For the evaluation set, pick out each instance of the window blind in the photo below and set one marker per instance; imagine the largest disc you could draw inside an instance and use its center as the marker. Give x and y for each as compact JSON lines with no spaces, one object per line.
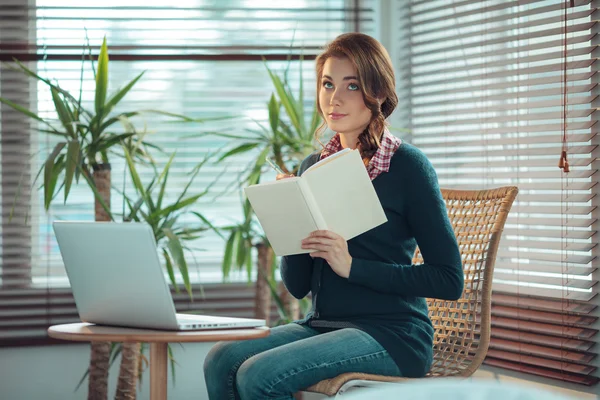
{"x":201,"y":58}
{"x":493,"y":87}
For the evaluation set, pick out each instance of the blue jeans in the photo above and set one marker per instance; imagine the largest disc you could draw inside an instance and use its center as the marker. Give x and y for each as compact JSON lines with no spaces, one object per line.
{"x":292,"y":358}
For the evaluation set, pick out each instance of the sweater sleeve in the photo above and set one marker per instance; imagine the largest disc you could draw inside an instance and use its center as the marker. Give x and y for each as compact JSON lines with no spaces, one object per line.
{"x":296,"y":270}
{"x":296,"y":273}
{"x":441,"y":274}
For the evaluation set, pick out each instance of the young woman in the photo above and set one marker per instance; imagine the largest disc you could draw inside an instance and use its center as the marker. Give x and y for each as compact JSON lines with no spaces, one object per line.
{"x":368,"y":301}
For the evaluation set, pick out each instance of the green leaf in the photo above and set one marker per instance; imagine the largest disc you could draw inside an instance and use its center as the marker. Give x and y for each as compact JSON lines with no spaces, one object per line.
{"x":314,"y":123}
{"x":274,"y":114}
{"x":301,"y":95}
{"x":54,"y":132}
{"x":49,"y":172}
{"x":17,"y":193}
{"x":249,"y":262}
{"x":237,"y":150}
{"x":280,"y":306}
{"x":32,"y":74}
{"x":77,"y":170}
{"x":255,"y":174}
{"x":134,"y":174}
{"x":289,"y":104}
{"x":274,"y":263}
{"x":170,"y":270}
{"x":71,"y":167}
{"x":104,"y":155}
{"x":185,"y":189}
{"x":115,"y":351}
{"x":172,"y":362}
{"x":259,"y":135}
{"x":164,"y":176}
{"x":81,"y":70}
{"x":213,"y":133}
{"x":185,"y":118}
{"x":207,"y":222}
{"x":132,"y":211}
{"x":30,"y":114}
{"x":107,"y":143}
{"x":101,"y":79}
{"x":286,"y":133}
{"x":116,"y":118}
{"x":21,"y":109}
{"x":120,"y":94}
{"x":241,"y":251}
{"x":153,"y":146}
{"x":190,"y":233}
{"x":227,"y":259}
{"x":247,"y":209}
{"x":59,"y":166}
{"x":150,"y":202}
{"x":179,"y":205}
{"x":63,"y":114}
{"x":177,"y":252}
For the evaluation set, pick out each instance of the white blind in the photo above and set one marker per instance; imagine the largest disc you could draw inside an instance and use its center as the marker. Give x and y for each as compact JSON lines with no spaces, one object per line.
{"x":201,"y":58}
{"x":487,"y":89}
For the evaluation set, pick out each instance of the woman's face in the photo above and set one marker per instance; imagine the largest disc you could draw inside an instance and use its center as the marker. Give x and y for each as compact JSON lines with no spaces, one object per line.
{"x":341,"y":99}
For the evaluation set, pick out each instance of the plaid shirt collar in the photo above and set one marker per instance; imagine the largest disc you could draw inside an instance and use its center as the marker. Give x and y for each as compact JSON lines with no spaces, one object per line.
{"x":380,"y":162}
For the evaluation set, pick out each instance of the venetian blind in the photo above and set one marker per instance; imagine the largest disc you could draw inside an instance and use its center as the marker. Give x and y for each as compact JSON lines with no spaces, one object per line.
{"x":493,"y":87}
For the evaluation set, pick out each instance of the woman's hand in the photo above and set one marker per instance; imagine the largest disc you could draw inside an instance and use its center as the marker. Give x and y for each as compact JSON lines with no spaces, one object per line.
{"x":283,"y":176}
{"x":332,"y":248}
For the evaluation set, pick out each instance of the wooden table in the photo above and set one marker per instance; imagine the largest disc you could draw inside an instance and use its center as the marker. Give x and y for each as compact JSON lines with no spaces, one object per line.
{"x":158,"y":340}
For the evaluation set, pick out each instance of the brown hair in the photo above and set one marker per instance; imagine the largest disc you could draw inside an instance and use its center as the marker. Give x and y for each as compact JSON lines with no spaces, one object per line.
{"x":376,"y":80}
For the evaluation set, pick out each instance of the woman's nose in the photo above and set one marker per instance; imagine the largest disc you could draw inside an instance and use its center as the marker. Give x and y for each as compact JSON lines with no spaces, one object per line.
{"x":335,"y":98}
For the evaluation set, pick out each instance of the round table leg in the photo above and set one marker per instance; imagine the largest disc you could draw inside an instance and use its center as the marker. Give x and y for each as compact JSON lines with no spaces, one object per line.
{"x":158,"y":371}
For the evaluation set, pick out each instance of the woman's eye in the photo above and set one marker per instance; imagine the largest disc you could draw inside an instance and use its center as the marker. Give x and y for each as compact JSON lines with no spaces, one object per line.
{"x":327,"y":85}
{"x":353,"y":86}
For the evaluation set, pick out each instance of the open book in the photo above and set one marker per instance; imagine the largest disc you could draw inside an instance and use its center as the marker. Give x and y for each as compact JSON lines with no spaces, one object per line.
{"x":335,"y":193}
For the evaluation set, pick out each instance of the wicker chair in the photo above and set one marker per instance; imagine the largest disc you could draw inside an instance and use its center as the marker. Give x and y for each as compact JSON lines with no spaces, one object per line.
{"x":462,"y":327}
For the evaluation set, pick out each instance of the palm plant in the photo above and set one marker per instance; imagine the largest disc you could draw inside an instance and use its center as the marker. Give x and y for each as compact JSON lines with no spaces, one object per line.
{"x":171,"y":234}
{"x":86,"y":138}
{"x":287,"y":140}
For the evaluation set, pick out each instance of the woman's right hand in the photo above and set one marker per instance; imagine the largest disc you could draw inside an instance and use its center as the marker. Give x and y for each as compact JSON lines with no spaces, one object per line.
{"x":283,"y":176}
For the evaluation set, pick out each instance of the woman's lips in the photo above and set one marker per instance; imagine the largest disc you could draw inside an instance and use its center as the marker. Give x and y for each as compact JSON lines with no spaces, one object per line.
{"x":336,"y":116}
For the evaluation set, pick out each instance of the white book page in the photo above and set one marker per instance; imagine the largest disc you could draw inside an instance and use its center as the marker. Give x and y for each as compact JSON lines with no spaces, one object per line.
{"x":283,"y":213}
{"x":327,"y":160}
{"x":345,"y":195}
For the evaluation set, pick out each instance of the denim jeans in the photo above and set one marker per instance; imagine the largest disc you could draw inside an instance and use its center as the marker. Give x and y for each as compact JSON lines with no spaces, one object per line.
{"x":292,"y":358}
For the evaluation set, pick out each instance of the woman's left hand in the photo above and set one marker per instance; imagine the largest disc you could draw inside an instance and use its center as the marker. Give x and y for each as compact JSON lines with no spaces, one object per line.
{"x":332,"y":248}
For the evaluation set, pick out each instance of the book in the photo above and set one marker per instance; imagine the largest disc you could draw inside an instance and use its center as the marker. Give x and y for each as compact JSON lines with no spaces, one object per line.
{"x":335,"y":194}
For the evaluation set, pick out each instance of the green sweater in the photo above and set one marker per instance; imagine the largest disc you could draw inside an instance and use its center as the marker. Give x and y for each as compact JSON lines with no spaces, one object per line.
{"x":385,"y":294}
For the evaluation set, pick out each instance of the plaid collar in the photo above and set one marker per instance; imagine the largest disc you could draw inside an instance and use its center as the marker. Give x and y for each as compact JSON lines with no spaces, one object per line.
{"x":332,"y":147}
{"x":380,"y":162}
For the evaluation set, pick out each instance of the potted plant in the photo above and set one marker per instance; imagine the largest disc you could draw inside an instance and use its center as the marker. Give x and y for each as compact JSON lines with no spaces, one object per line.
{"x":287,"y":140}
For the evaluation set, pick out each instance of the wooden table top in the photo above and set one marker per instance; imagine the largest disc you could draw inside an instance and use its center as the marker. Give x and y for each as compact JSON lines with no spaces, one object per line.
{"x":86,"y":332}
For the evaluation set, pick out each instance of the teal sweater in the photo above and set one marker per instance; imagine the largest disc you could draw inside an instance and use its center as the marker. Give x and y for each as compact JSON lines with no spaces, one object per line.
{"x":385,"y":294}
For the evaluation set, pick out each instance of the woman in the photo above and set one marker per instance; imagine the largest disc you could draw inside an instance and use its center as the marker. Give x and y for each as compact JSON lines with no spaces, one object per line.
{"x":368,"y":302}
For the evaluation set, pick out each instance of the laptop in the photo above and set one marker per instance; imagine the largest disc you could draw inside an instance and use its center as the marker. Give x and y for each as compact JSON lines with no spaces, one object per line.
{"x":117,"y":278}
